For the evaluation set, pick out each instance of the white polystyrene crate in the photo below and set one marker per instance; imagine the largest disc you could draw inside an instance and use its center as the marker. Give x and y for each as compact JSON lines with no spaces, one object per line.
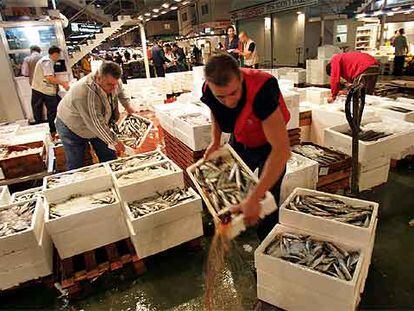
{"x":304,"y":176}
{"x":374,"y":164}
{"x":161,"y":238}
{"x":280,"y":270}
{"x":140,"y":189}
{"x":125,"y":159}
{"x":327,"y":51}
{"x":383,"y":111}
{"x":405,"y":100}
{"x":348,"y":233}
{"x":9,"y":129}
{"x":316,"y":71}
{"x":373,"y":178}
{"x":317,"y":95}
{"x":101,"y":181}
{"x":164,"y":216}
{"x":392,"y":146}
{"x":197,"y":137}
{"x":5,"y":197}
{"x":35,"y":191}
{"x":86,"y":230}
{"x":294,"y":118}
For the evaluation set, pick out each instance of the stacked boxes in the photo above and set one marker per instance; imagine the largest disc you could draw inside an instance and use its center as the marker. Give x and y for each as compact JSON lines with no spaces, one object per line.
{"x":316,"y":71}
{"x":5,"y":197}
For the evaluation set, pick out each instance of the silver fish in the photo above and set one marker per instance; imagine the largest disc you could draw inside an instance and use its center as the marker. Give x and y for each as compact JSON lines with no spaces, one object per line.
{"x":138,"y":160}
{"x":131,"y":130}
{"x":323,"y":156}
{"x":16,"y":218}
{"x":144,"y":173}
{"x":74,"y":176}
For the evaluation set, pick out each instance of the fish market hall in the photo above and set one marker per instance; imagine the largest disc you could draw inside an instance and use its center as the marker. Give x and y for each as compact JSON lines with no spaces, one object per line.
{"x":207,"y":155}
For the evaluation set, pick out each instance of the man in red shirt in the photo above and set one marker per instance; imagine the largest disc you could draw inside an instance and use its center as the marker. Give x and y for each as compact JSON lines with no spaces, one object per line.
{"x":248,"y":104}
{"x":352,"y":67}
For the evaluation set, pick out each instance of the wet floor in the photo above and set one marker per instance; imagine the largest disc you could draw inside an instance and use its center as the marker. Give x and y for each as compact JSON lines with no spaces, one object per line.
{"x":175,"y":279}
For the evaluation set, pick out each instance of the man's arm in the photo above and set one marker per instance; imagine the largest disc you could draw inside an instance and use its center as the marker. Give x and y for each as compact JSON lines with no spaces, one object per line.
{"x":275,"y":130}
{"x":49,"y":74}
{"x":335,"y":79}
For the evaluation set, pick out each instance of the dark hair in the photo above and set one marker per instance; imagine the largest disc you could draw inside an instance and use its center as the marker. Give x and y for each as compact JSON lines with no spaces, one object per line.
{"x":174,"y":45}
{"x":110,"y":68}
{"x":401,"y":31}
{"x":328,"y":69}
{"x":35,"y":48}
{"x":54,"y":49}
{"x":221,"y":69}
{"x":230,"y":27}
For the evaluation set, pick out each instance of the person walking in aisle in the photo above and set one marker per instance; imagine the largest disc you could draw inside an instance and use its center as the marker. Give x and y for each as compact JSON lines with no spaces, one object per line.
{"x":248,"y":52}
{"x":352,"y":67}
{"x":158,"y":58}
{"x":45,"y":86}
{"x":88,"y":113}
{"x":29,"y":63}
{"x":180,"y":56}
{"x":401,"y":51}
{"x":248,"y":104}
{"x":231,"y":43}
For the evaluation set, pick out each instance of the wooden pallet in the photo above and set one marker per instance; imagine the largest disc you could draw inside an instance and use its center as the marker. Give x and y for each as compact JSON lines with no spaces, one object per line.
{"x":341,"y":185}
{"x":24,"y":165}
{"x":72,"y":272}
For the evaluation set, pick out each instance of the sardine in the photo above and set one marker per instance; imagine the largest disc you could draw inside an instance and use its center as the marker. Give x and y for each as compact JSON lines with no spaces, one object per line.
{"x":16,"y":218}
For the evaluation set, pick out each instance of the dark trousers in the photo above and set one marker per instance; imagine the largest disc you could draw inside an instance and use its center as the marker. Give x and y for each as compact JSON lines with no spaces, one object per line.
{"x":256,"y":158}
{"x":159,"y":70}
{"x":51,"y":102}
{"x":399,"y":65}
{"x":75,"y":146}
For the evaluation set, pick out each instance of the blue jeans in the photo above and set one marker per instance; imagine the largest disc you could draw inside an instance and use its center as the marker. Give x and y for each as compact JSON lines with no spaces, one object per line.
{"x":75,"y":146}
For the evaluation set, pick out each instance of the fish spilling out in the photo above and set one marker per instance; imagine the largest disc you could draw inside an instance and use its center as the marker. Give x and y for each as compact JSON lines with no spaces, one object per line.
{"x":79,"y":203}
{"x":73,"y":177}
{"x":224,"y":181}
{"x":369,"y":135}
{"x":333,"y":209}
{"x":16,"y":218}
{"x":138,"y":160}
{"x":399,"y":109}
{"x":145,"y":173}
{"x":321,"y":256}
{"x":28,"y":195}
{"x":196,"y":119}
{"x":131,"y":130}
{"x":324,"y":157}
{"x":159,"y":202}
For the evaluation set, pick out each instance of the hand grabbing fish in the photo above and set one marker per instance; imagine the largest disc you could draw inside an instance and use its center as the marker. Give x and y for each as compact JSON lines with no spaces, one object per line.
{"x":250,"y":208}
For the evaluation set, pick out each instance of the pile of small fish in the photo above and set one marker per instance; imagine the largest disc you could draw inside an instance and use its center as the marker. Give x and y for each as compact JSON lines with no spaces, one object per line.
{"x":145,"y":173}
{"x":3,"y":152}
{"x":323,"y":156}
{"x":224,"y":181}
{"x":333,"y":209}
{"x":195,"y":119}
{"x":131,"y":130}
{"x":138,"y":160}
{"x":399,"y":109}
{"x":72,"y":177}
{"x":21,"y":153}
{"x":369,"y":135}
{"x":16,"y":218}
{"x":28,"y":195}
{"x":160,"y":202}
{"x":78,"y":203}
{"x":321,"y":256}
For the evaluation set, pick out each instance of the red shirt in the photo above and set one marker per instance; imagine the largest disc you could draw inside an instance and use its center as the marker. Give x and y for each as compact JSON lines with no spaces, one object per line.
{"x":348,"y":66}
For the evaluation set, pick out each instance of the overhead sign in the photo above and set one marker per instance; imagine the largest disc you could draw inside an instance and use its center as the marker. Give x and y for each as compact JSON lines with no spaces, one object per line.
{"x":271,"y":7}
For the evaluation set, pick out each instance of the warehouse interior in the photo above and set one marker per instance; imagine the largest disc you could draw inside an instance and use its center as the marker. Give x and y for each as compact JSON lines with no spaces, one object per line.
{"x":206,"y":155}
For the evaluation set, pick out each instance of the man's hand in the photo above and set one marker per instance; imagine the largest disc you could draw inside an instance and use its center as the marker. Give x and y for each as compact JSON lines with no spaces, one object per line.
{"x":250,"y":208}
{"x":120,"y":148}
{"x":130,"y":110}
{"x":210,"y":149}
{"x":65,"y":85}
{"x":331,"y":99}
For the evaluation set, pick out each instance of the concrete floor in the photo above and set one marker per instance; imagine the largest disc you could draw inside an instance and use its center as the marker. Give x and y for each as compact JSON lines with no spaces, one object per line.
{"x":175,"y":280}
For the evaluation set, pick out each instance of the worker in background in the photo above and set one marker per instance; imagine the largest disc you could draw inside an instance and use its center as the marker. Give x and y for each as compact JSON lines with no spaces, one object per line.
{"x":401,"y":51}
{"x":86,"y":65}
{"x":196,"y":56}
{"x":158,"y":58}
{"x":180,"y":57}
{"x":231,"y":43}
{"x":45,"y":86}
{"x":88,"y":113}
{"x":171,"y":65}
{"x":352,"y":67}
{"x":248,"y":104}
{"x":392,"y":40}
{"x":29,"y":63}
{"x":248,"y":51}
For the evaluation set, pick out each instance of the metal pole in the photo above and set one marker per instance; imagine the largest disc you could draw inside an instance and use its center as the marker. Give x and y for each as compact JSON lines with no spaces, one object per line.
{"x":144,"y":50}
{"x":383,"y":19}
{"x":355,"y":145}
{"x":54,"y":4}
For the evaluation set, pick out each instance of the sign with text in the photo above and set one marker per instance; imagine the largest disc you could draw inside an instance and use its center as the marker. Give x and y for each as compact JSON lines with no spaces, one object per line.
{"x":272,"y":7}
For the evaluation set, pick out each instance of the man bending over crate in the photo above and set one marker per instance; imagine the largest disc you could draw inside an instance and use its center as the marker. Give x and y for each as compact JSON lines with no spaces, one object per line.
{"x":248,"y":104}
{"x":87,"y":113}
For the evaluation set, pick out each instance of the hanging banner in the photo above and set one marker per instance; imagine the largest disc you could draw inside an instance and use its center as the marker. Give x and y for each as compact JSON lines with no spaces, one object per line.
{"x":269,"y":8}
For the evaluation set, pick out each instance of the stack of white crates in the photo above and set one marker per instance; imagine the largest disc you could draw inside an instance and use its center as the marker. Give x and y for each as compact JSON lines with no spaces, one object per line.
{"x":396,"y":110}
{"x":26,"y":255}
{"x":296,"y":75}
{"x":166,"y":228}
{"x":316,"y":68}
{"x":294,"y":287}
{"x":374,"y":157}
{"x":198,"y":80}
{"x":292,"y":102}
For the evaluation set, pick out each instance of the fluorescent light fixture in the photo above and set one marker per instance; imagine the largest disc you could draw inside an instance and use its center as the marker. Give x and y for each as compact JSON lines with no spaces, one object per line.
{"x":173,"y":8}
{"x":155,"y":10}
{"x":166,"y":5}
{"x":177,"y":0}
{"x":163,"y":12}
{"x":267,"y":22}
{"x":147,"y":19}
{"x":299,"y":12}
{"x":140,"y":17}
{"x":147,"y":14}
{"x":154,"y":16}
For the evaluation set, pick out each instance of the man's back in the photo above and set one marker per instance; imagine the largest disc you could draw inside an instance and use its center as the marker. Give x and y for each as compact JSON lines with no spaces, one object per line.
{"x":157,"y":55}
{"x":29,"y":65}
{"x":400,"y":44}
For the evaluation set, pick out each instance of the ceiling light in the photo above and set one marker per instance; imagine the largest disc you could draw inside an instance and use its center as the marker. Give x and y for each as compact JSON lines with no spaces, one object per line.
{"x":155,"y":10}
{"x":177,"y":0}
{"x":147,"y":14}
{"x":154,"y":16}
{"x":298,"y":12}
{"x":166,"y":5}
{"x":185,"y":2}
{"x":147,"y":19}
{"x":140,"y":17}
{"x":163,"y":12}
{"x":173,"y":8}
